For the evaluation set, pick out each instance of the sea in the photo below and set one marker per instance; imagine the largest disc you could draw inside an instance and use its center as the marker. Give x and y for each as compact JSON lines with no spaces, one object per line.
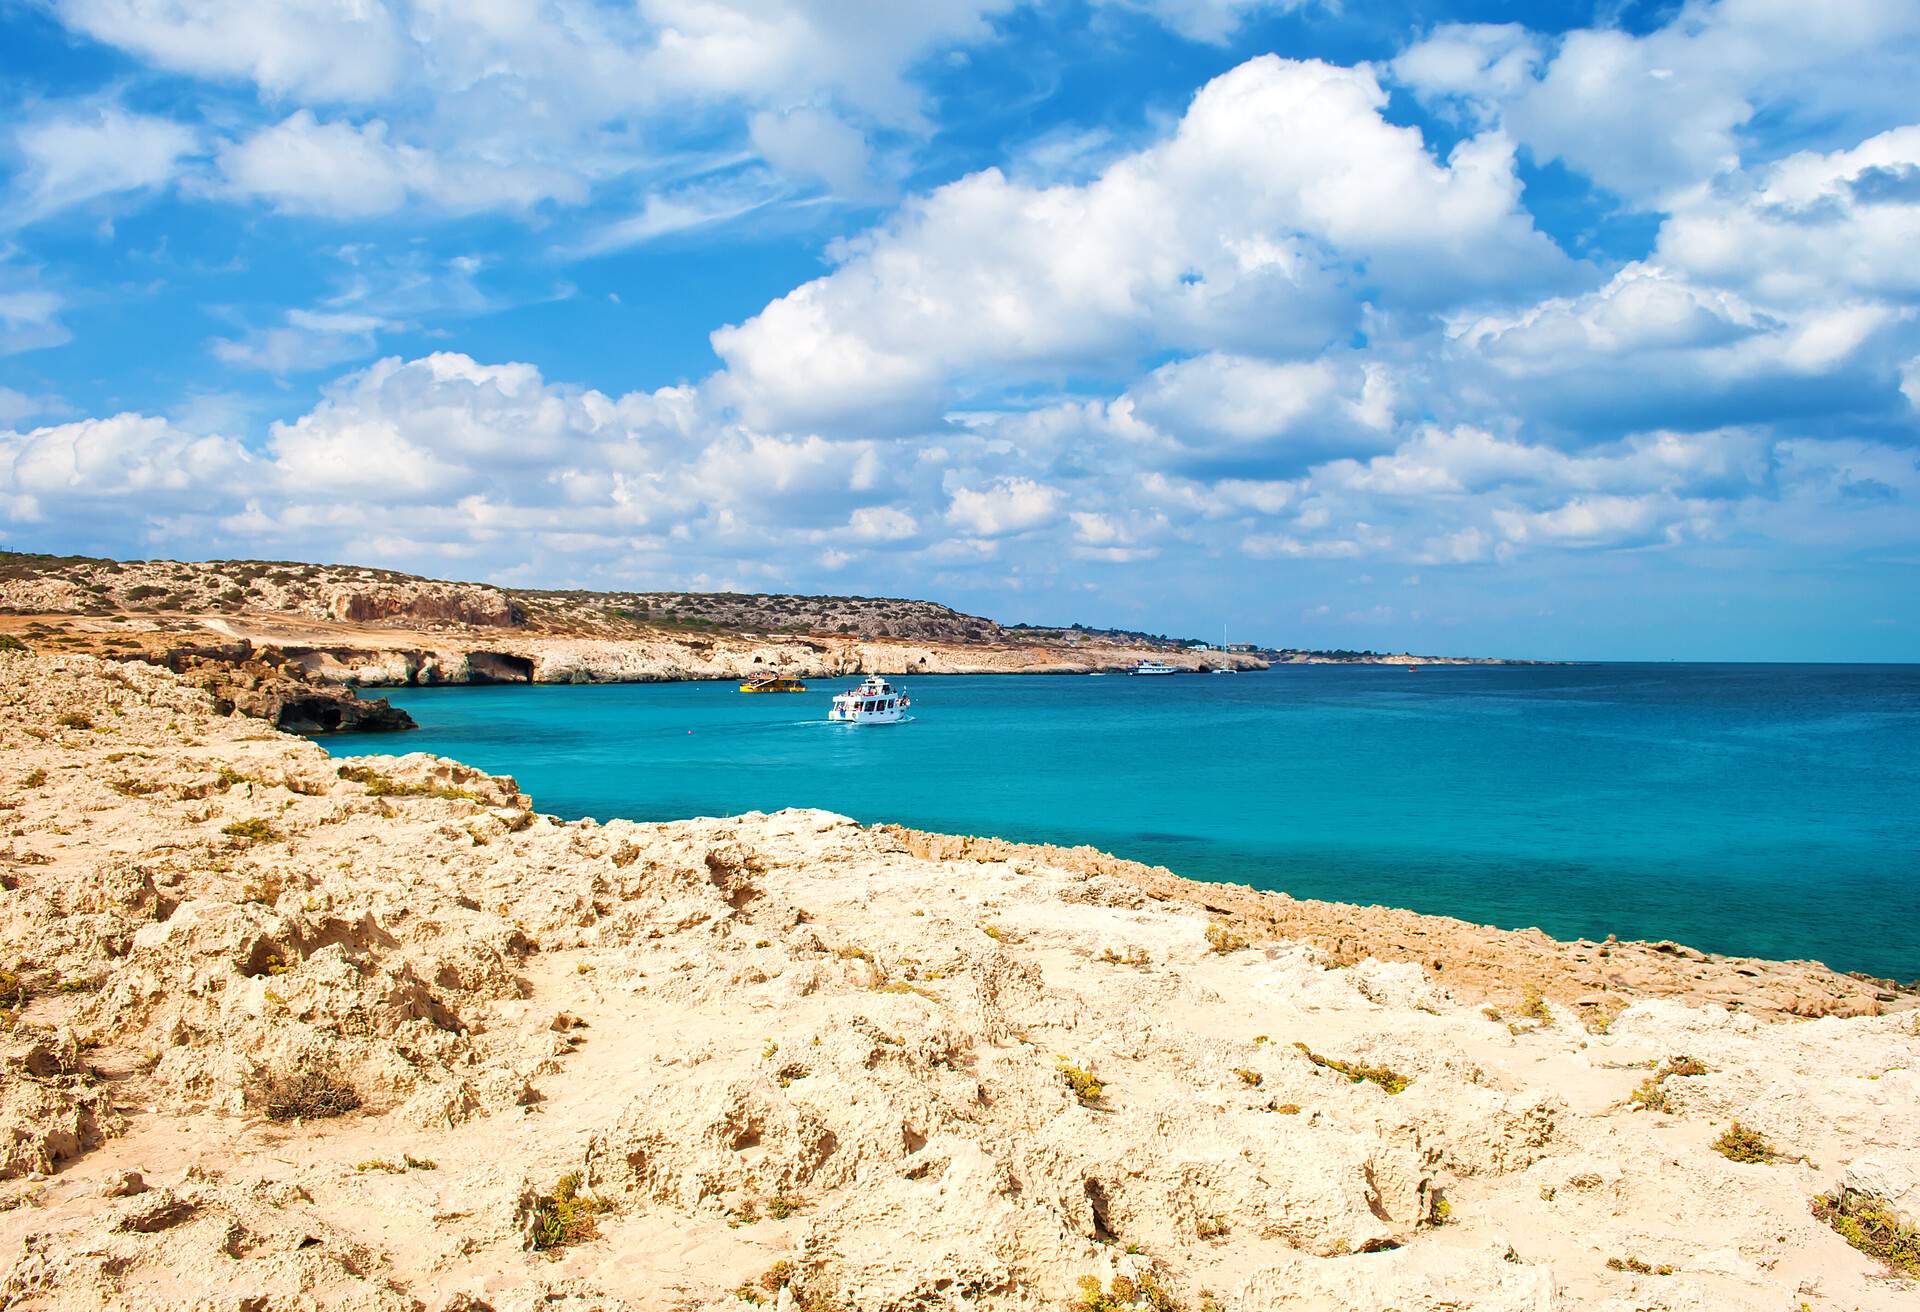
{"x":1764,"y":810}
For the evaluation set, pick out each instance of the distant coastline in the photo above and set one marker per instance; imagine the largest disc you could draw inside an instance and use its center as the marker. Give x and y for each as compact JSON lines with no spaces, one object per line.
{"x":289,"y":633}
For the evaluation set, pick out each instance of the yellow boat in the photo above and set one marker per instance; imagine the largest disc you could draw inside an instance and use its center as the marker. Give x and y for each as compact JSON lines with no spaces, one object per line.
{"x":772,"y":683}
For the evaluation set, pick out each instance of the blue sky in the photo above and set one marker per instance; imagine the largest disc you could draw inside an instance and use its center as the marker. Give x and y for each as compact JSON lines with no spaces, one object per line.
{"x":1551,"y":330}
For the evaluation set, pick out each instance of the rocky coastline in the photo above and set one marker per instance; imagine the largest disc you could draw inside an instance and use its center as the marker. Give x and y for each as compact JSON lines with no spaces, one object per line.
{"x":302,"y":637}
{"x":286,"y":1029}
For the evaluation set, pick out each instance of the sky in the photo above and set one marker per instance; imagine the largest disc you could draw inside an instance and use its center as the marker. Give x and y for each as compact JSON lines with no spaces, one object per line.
{"x":1548,"y":329}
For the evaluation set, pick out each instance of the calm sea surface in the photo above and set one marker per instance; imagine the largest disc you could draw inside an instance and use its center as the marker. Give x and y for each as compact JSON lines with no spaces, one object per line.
{"x":1771,"y":810}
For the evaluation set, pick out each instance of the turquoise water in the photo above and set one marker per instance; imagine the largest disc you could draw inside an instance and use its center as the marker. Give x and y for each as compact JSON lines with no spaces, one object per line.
{"x":1770,"y":810}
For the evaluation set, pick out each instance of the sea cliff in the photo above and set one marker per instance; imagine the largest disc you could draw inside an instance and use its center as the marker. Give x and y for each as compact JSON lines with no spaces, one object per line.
{"x":286,"y":1029}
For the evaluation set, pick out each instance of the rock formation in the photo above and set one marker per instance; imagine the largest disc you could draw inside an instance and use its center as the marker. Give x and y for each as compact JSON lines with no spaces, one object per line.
{"x":286,"y":1030}
{"x":264,"y":684}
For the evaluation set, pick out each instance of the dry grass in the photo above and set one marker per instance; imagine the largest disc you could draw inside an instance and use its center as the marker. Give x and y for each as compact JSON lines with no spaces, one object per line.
{"x":380,"y":785}
{"x":310,"y":1094}
{"x":252,"y":830}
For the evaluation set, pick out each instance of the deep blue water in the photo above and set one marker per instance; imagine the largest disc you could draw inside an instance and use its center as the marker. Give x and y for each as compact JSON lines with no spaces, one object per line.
{"x":1762,"y":809}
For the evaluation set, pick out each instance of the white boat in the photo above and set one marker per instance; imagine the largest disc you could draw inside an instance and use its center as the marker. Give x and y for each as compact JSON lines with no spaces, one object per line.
{"x":875,"y":701}
{"x":1152,"y":667}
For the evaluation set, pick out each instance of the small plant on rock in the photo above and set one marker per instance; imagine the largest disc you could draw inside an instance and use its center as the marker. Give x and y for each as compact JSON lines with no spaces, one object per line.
{"x":1865,"y":1222}
{"x":780,"y":1207}
{"x":1740,"y":1144}
{"x":1356,"y":1072}
{"x":1124,"y":1294}
{"x":264,"y":887}
{"x":1222,"y":939}
{"x":1085,"y":1085}
{"x":566,"y":1216}
{"x":1535,"y":1007}
{"x":1652,"y":1095}
{"x":10,"y":643}
{"x":1250,"y":1078}
{"x":1635,"y":1266}
{"x":252,"y":830}
{"x":13,"y":997}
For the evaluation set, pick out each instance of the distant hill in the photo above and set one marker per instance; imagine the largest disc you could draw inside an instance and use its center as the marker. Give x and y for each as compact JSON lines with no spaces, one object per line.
{"x":84,"y":585}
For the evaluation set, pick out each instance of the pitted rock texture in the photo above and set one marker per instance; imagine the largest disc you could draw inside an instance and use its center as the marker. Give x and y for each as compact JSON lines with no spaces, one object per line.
{"x":789,"y":1039}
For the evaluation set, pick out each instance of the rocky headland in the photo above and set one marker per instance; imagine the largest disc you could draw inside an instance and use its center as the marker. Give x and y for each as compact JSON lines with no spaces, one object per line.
{"x":290,"y":1030}
{"x":345,"y":627}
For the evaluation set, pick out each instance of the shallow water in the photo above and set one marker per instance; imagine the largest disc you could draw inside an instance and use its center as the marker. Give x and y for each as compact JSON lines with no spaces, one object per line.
{"x":1763,"y":809}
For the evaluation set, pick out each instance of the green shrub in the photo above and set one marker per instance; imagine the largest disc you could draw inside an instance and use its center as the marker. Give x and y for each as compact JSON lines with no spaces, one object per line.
{"x":1222,"y":939}
{"x":1652,"y":1094}
{"x":1124,"y":1294}
{"x":10,"y":643}
{"x":1740,"y":1144}
{"x":1863,"y":1222}
{"x":1535,"y":1006}
{"x":254,"y":830}
{"x":1083,"y":1083}
{"x":565,"y":1216}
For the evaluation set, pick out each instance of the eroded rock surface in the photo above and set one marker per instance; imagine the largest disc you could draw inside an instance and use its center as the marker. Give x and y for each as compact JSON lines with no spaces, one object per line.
{"x":305,"y":1031}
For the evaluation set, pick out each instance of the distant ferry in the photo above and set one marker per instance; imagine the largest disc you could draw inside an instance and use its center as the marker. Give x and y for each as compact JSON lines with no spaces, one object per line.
{"x":771,"y":682}
{"x":874,"y":702}
{"x":1152,"y":667}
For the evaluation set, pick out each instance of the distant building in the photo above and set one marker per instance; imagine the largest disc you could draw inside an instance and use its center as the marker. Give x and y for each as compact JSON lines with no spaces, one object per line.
{"x":1199,"y":646}
{"x":1241,"y":646}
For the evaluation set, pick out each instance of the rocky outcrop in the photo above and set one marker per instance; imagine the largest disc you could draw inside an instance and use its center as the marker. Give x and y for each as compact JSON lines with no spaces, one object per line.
{"x":285,"y":1029}
{"x":429,"y":603}
{"x":265,"y":684}
{"x":1598,"y":979}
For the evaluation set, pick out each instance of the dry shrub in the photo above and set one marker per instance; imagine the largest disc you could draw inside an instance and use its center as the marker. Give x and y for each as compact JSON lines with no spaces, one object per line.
{"x":310,"y":1093}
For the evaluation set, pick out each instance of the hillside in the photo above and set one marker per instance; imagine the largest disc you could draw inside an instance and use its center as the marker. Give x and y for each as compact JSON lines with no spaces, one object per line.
{"x":86,"y":586}
{"x":288,"y":1030}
